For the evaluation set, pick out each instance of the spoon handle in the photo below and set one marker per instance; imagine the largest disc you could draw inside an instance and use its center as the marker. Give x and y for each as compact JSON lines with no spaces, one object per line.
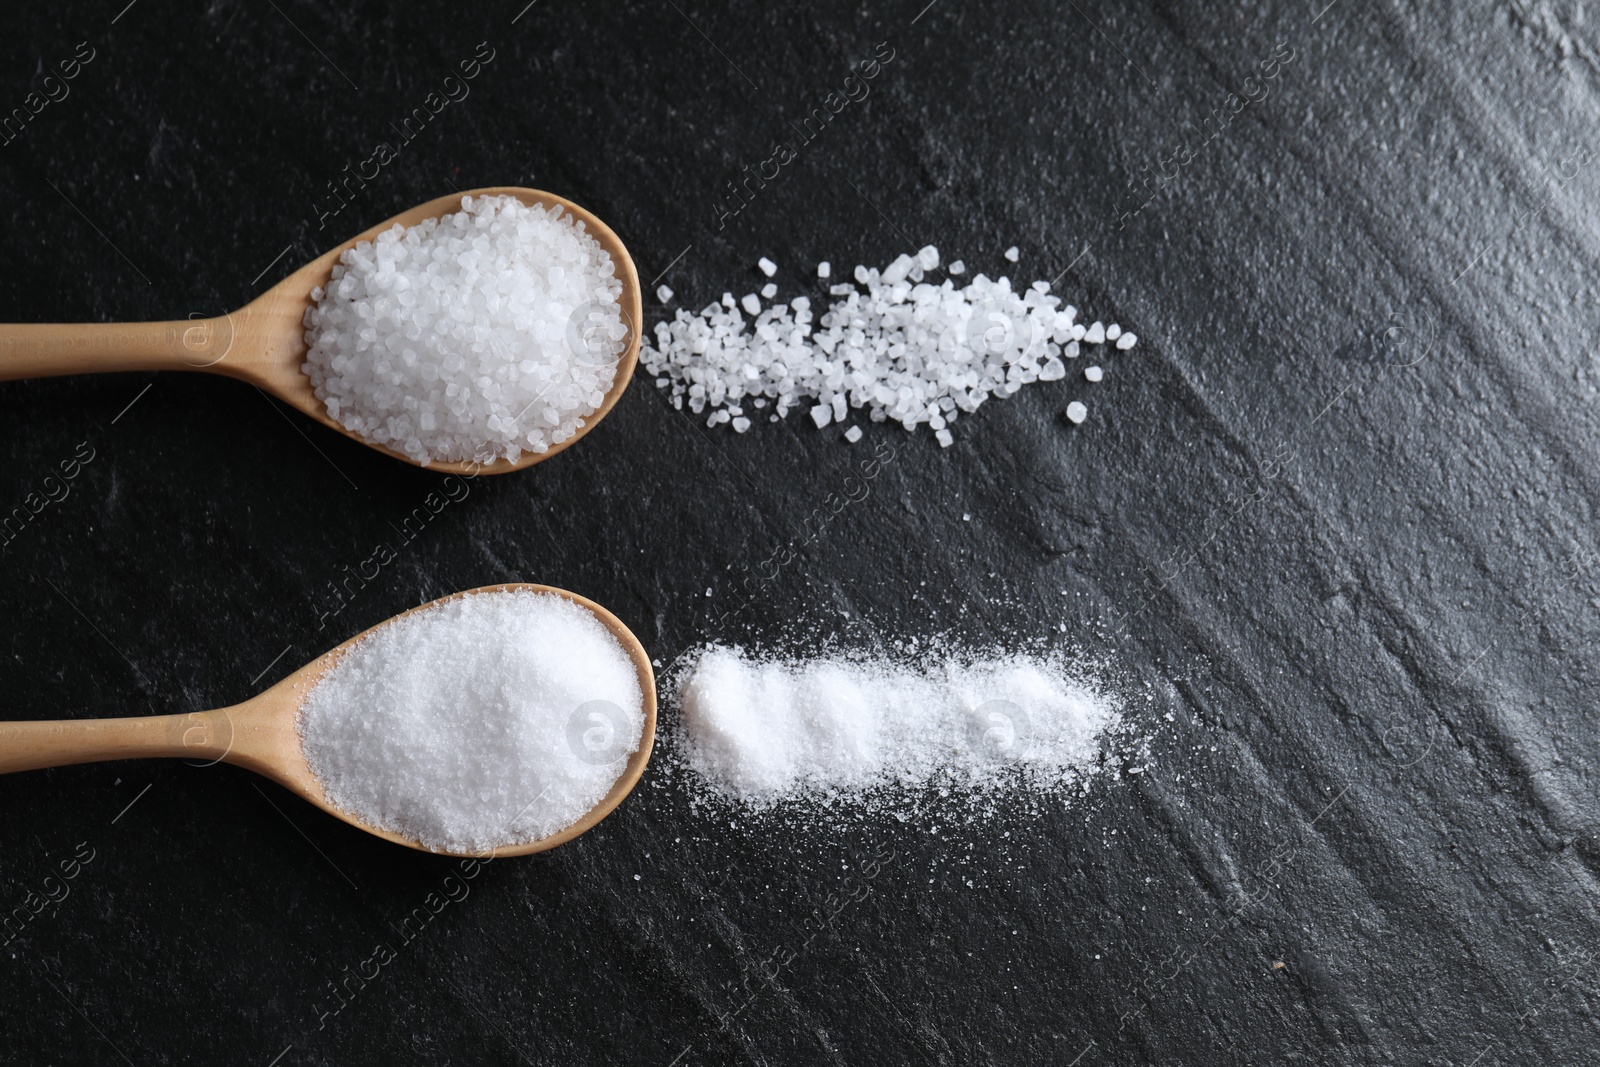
{"x":43,"y":350}
{"x":26,"y":746}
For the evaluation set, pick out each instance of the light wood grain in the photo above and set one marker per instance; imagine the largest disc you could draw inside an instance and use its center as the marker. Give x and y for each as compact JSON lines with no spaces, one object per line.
{"x":263,"y":343}
{"x":261,"y":735}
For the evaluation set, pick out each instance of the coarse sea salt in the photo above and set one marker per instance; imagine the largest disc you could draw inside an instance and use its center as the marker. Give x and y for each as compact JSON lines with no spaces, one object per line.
{"x":484,"y":721}
{"x":880,"y":732}
{"x":893,"y":342}
{"x":490,"y":332}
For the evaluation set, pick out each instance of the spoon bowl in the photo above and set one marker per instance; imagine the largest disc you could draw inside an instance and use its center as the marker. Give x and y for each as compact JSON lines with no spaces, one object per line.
{"x":262,"y":734}
{"x":263,"y":343}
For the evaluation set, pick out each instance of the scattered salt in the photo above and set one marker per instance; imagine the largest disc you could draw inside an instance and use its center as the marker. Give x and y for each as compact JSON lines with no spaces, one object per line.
{"x":907,"y":351}
{"x":664,"y":294}
{"x":853,"y":434}
{"x":484,"y":721}
{"x":759,"y":731}
{"x":1012,"y":255}
{"x":1113,"y":332}
{"x":1096,"y":334}
{"x":769,"y":291}
{"x":958,"y":267}
{"x":1076,"y":412}
{"x":1093,"y":374}
{"x":1127,"y":341}
{"x":483,"y":334}
{"x":751,"y":303}
{"x":768,"y":267}
{"x":824,"y":269}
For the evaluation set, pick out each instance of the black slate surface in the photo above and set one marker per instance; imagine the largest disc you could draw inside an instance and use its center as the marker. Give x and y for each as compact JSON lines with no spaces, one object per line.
{"x":1333,"y":517}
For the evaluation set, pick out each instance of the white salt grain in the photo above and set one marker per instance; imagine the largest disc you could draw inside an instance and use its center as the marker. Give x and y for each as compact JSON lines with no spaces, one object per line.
{"x":751,"y":303}
{"x":489,"y":720}
{"x":909,"y":352}
{"x":1127,"y":341}
{"x":486,"y":333}
{"x":1113,"y":332}
{"x":853,"y":434}
{"x":824,"y":269}
{"x":1076,"y":412}
{"x":769,"y":291}
{"x":768,"y":267}
{"x":758,"y":731}
{"x":1093,"y":374}
{"x":1096,"y":334}
{"x":958,"y":267}
{"x":664,"y":294}
{"x":1012,"y":255}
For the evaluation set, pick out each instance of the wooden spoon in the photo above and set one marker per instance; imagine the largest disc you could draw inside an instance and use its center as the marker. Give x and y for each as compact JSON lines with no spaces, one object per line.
{"x":261,"y":734}
{"x":263,"y":343}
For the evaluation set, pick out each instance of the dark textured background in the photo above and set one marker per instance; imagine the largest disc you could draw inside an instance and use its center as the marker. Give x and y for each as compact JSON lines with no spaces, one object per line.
{"x":1333,"y":516}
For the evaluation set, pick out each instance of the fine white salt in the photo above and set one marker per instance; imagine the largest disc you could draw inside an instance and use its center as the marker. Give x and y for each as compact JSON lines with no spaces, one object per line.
{"x":860,"y":730}
{"x":488,"y":720}
{"x":908,"y":351}
{"x":489,"y":332}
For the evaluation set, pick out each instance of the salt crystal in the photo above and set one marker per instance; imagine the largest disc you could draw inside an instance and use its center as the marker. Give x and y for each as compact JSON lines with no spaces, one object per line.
{"x":1076,"y":412}
{"x":751,"y":303}
{"x":741,"y":424}
{"x":853,"y":434}
{"x":824,"y":269}
{"x":1113,"y":332}
{"x":1127,"y":341}
{"x":911,"y":353}
{"x":1096,"y":334}
{"x":664,"y":294}
{"x":1012,"y":254}
{"x":487,"y":720}
{"x":768,"y":267}
{"x":1093,"y":374}
{"x":483,"y":334}
{"x":958,"y":267}
{"x":945,"y":438}
{"x":769,"y":290}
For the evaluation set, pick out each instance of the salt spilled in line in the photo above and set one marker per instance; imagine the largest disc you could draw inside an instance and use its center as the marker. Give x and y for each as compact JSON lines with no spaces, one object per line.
{"x":864,"y":734}
{"x":905,"y":349}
